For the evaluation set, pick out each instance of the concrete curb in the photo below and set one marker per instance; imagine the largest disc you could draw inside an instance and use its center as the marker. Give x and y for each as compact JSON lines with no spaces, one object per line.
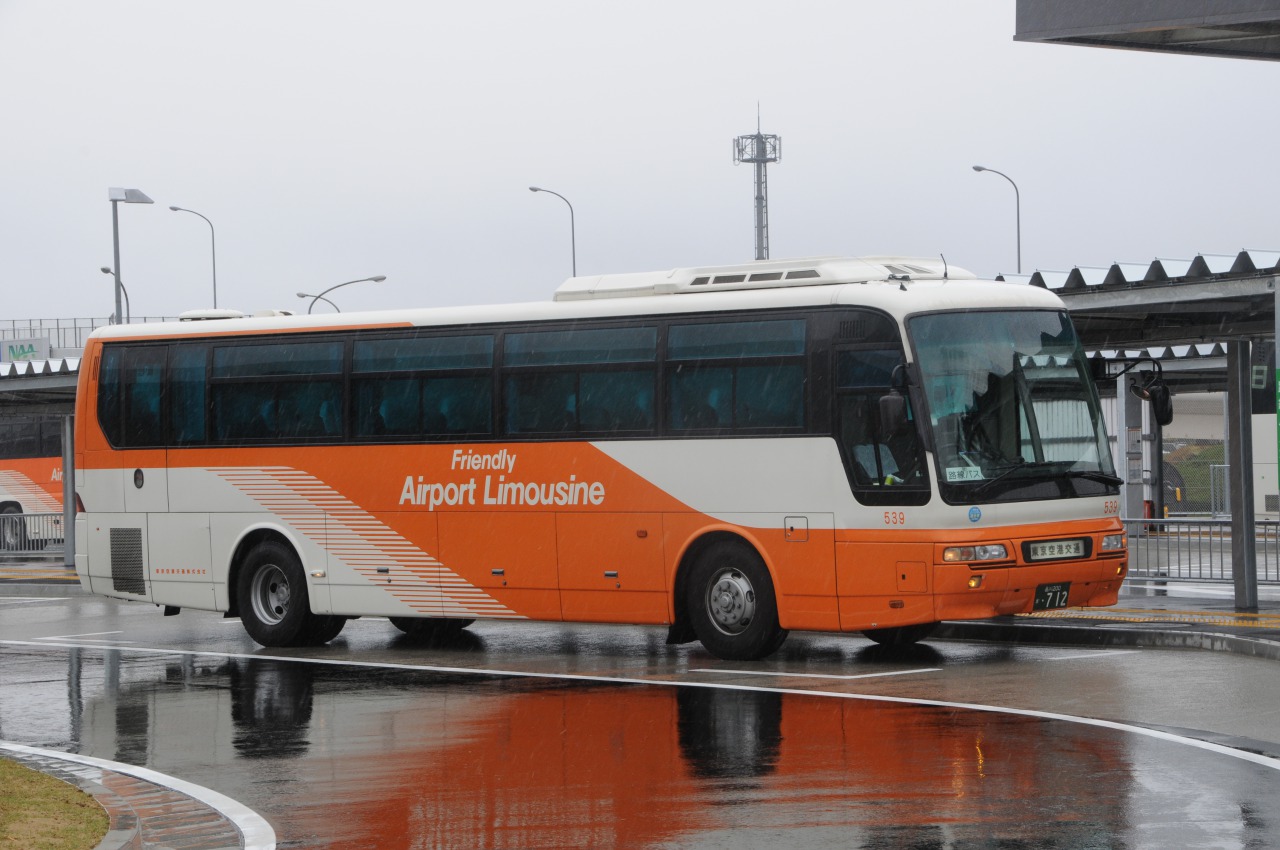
{"x":148,"y":809}
{"x":1010,"y":630}
{"x":42,"y":590}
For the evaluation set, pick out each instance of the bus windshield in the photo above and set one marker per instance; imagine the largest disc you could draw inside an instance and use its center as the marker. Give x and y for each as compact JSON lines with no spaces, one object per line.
{"x":1013,"y":412}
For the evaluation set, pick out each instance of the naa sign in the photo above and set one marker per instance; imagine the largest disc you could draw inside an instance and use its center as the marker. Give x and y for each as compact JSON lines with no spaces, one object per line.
{"x":33,"y":348}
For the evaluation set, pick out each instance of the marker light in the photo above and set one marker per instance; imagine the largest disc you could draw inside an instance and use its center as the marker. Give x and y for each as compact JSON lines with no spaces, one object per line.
{"x":1112,"y":542}
{"x":991,"y":552}
{"x":975,"y":582}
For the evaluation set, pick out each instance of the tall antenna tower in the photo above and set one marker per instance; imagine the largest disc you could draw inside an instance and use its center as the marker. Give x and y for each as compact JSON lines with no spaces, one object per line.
{"x":759,"y":149}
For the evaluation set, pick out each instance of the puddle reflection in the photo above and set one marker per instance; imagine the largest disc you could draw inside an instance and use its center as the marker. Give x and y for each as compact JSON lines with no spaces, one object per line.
{"x":345,"y":757}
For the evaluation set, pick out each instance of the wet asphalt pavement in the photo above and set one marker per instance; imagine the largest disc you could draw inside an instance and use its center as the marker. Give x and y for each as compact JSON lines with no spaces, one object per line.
{"x":540,"y":735}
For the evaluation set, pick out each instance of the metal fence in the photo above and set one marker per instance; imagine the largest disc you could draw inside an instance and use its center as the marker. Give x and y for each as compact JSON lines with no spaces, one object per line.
{"x":1196,"y":549}
{"x":28,"y":534}
{"x":61,"y":333}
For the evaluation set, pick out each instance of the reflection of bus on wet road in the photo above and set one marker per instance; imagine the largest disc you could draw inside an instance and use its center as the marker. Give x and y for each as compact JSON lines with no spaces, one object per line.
{"x":30,"y":480}
{"x":421,"y":759}
{"x":839,"y":445}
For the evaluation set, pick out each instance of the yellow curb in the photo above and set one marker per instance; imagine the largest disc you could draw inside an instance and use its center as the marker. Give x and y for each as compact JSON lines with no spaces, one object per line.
{"x":1132,"y":615}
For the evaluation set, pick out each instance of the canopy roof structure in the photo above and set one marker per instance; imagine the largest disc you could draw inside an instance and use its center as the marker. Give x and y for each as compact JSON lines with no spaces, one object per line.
{"x":1241,"y":29}
{"x":1208,"y":298}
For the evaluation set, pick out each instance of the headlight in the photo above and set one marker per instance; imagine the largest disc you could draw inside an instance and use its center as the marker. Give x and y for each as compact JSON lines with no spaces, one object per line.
{"x":1112,"y":542}
{"x":992,"y":552}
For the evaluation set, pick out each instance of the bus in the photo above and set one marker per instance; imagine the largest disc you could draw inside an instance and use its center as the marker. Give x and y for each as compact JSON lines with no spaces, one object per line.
{"x":848,"y":445}
{"x":30,"y":481}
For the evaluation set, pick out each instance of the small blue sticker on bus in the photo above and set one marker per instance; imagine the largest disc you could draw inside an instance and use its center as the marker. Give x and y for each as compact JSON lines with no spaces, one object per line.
{"x":975,"y":514}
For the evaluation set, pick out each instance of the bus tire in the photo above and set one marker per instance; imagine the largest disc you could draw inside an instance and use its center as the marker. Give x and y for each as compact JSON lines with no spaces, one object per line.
{"x":900,"y":635}
{"x":272,"y":593}
{"x":323,"y":628}
{"x":731,"y":603}
{"x":13,"y":531}
{"x":428,"y":627}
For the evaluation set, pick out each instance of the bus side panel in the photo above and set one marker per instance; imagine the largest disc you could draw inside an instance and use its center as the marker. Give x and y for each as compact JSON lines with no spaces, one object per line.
{"x":884,"y":584}
{"x":391,"y":576}
{"x":185,"y":578}
{"x":511,"y":556}
{"x":117,"y":560}
{"x":611,"y":568}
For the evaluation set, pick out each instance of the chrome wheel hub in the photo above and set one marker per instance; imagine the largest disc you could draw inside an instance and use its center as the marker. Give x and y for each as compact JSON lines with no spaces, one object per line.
{"x":731,"y":602}
{"x":270,"y":594}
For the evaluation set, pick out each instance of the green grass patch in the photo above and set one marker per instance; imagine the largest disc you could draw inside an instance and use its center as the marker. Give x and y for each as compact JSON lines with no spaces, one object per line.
{"x":39,"y":812}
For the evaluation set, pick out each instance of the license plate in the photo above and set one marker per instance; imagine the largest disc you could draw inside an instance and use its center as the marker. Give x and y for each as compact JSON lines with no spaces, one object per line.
{"x":1055,"y":549}
{"x":1050,"y":596}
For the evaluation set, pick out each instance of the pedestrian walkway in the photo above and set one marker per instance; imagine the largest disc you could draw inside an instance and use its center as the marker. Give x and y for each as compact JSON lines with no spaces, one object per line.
{"x":143,"y":815}
{"x":35,"y":572}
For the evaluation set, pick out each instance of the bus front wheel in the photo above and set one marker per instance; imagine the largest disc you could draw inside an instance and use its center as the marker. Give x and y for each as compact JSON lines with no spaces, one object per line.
{"x":274,"y":606}
{"x":731,"y":603}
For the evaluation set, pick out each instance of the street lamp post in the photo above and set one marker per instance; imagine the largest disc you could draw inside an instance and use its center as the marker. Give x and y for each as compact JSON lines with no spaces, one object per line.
{"x":213,"y":245}
{"x":1017,"y":201}
{"x":319,"y":298}
{"x":378,"y":278}
{"x":573,"y":238}
{"x":128,"y":310}
{"x":116,"y":196}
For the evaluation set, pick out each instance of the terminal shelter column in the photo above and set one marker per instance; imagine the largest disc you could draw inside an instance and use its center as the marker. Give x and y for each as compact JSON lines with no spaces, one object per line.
{"x":68,"y":492}
{"x":1244,"y":564}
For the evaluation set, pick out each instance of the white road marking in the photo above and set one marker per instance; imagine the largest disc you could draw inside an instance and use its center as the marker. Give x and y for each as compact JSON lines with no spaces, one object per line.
{"x":1089,"y":656}
{"x":257,"y":833}
{"x":1218,"y":749}
{"x":785,"y":674}
{"x":85,"y":635}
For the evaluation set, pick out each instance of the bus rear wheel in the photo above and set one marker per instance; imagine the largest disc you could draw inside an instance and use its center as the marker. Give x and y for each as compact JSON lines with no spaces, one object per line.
{"x":900,"y":635}
{"x":731,"y":603}
{"x":274,"y":606}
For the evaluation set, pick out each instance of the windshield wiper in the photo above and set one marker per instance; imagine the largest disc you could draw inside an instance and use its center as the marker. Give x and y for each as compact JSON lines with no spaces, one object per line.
{"x":991,"y":482}
{"x":1050,"y":469}
{"x":1095,"y":475}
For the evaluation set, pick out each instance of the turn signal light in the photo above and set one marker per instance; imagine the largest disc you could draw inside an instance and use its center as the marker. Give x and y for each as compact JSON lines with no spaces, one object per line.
{"x":975,"y":582}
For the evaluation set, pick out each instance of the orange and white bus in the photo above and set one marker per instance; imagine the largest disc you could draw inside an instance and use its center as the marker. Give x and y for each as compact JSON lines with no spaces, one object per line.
{"x":30,"y":480}
{"x":862,"y":445}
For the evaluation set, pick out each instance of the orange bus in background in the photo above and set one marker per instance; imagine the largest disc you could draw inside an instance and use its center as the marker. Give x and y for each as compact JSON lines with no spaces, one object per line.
{"x":861,"y":445}
{"x":30,"y":476}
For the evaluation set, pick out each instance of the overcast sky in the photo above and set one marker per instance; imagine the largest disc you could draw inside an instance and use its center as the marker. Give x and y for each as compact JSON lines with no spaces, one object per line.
{"x":329,"y":141}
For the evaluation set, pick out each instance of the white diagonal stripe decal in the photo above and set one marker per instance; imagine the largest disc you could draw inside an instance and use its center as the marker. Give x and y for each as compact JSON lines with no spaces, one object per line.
{"x":363,"y":542}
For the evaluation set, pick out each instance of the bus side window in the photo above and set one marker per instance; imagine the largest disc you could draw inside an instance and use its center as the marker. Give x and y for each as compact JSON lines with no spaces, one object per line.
{"x":736,"y":375}
{"x":188,"y":404}
{"x":616,"y":401}
{"x":701,"y":397}
{"x":541,"y":403}
{"x":465,"y":404}
{"x":143,"y":380}
{"x":109,"y":394}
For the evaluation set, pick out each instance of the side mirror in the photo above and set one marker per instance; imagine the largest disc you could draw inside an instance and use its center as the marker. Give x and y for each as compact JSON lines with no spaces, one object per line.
{"x":1161,"y":404}
{"x":893,"y":414}
{"x":1153,"y":389}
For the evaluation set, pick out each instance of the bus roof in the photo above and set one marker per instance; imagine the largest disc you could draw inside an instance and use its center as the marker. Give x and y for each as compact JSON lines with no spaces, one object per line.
{"x":761,"y":274}
{"x":899,"y":286}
